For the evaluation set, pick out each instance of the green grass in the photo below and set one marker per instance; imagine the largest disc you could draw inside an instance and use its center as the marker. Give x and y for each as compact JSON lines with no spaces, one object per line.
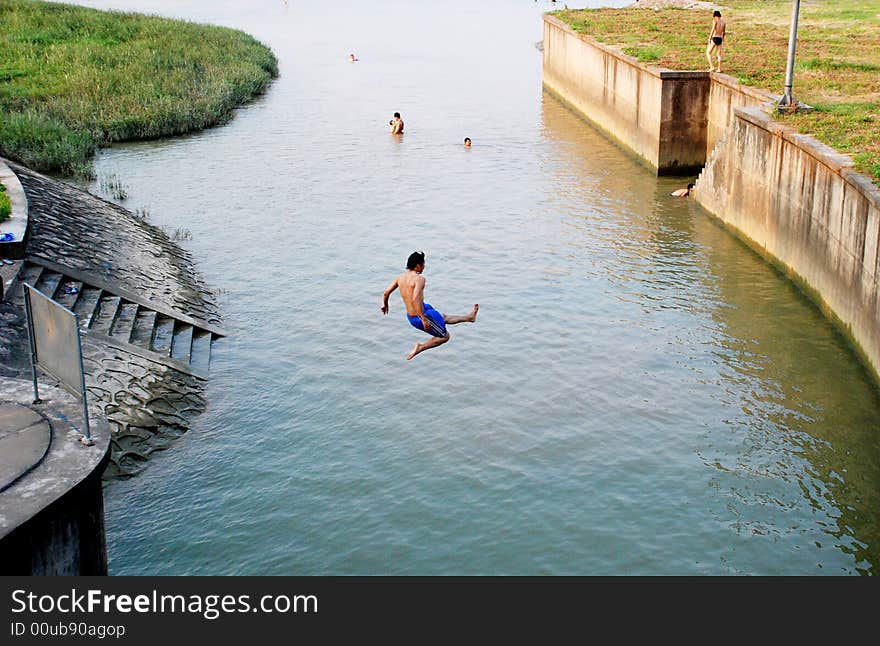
{"x":73,"y":79}
{"x":837,"y":66}
{"x":645,"y":54}
{"x":5,"y":204}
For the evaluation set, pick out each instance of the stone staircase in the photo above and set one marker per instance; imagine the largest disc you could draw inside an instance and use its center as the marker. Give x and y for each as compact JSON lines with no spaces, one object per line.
{"x":116,"y":317}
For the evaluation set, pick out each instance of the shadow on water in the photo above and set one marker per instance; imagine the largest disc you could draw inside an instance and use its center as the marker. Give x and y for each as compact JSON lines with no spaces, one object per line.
{"x":793,"y":405}
{"x":812,"y":417}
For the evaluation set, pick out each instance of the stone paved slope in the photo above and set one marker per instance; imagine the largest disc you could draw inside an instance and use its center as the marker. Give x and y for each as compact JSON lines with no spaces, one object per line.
{"x":147,"y":403}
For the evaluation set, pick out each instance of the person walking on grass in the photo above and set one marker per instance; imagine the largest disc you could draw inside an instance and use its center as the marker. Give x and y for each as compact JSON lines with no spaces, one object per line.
{"x":420,"y":314}
{"x":716,"y":38}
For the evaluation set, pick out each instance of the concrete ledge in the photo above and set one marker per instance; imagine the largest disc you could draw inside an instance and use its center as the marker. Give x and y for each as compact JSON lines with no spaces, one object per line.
{"x":727,"y":81}
{"x":17,"y":224}
{"x":654,"y":70}
{"x":658,"y":113}
{"x":830,"y":157}
{"x":51,"y":519}
{"x":864,"y":184}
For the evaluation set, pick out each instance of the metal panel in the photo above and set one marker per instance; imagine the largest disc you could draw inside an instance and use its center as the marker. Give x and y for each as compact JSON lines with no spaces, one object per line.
{"x":56,"y":340}
{"x":55,"y":346}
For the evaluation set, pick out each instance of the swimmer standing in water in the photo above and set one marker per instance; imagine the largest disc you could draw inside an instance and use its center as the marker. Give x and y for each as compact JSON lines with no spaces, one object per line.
{"x":420,"y":314}
{"x":396,"y":124}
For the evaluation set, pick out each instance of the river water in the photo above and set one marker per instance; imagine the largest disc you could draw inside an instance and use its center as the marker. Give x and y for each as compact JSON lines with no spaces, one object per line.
{"x":641,"y":394}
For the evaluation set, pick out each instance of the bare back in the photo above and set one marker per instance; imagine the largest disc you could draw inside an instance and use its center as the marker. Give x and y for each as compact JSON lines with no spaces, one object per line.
{"x":412,"y":291}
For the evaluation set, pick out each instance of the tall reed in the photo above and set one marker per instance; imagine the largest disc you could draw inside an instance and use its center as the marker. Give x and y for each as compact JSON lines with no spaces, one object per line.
{"x":73,"y":79}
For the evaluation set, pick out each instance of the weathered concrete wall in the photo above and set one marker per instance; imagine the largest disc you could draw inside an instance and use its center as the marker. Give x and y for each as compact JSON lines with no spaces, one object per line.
{"x":658,"y":113}
{"x":801,"y":203}
{"x":66,"y":539}
{"x":726,"y":94}
{"x":795,"y":199}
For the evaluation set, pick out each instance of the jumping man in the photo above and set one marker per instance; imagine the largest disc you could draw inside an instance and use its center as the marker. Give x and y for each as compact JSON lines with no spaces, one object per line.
{"x":420,"y":314}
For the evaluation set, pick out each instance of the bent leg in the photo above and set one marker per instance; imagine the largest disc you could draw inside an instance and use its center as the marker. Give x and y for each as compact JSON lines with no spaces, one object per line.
{"x":709,"y":49}
{"x":467,"y":318}
{"x":433,"y":342}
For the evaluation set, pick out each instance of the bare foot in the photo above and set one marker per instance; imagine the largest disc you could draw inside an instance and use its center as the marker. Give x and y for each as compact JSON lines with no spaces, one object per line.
{"x":473,"y":315}
{"x":414,"y":352}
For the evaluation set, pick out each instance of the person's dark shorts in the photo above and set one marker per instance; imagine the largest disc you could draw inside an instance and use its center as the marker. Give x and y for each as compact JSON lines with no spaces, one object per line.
{"x":717,"y":40}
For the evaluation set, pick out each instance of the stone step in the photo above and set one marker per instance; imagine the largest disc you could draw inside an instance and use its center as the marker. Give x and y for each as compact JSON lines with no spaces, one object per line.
{"x":103,"y":318}
{"x":142,"y":333}
{"x":66,"y":299}
{"x":124,"y":318}
{"x":124,"y":324}
{"x":86,"y":305}
{"x":181,"y":344}
{"x":30,"y":274}
{"x":162,"y":334}
{"x":200,"y":357}
{"x":48,"y":283}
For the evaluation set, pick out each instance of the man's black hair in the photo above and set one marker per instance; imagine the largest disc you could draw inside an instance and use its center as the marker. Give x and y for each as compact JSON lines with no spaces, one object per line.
{"x":690,"y":186}
{"x":717,"y":13}
{"x":415,"y":258}
{"x":397,"y":114}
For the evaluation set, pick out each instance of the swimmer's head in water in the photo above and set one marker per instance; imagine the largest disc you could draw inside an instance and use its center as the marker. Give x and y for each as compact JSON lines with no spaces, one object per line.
{"x":467,"y":142}
{"x":690,"y":186}
{"x":415,"y":259}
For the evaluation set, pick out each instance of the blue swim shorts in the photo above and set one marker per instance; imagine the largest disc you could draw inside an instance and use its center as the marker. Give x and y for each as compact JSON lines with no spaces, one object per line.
{"x":436,"y":323}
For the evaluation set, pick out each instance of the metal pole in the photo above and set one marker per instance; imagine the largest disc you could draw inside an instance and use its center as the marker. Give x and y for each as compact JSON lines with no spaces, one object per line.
{"x":787,"y":97}
{"x":82,"y":377}
{"x":31,"y":340}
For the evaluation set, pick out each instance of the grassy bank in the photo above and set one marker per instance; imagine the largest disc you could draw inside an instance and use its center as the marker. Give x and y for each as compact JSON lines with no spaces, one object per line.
{"x":5,"y":204}
{"x":837,"y":64}
{"x":73,"y":79}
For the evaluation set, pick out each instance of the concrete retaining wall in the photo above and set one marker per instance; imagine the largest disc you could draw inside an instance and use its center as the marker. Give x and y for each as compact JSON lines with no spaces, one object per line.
{"x":800,"y":202}
{"x":726,"y":94}
{"x":672,"y":120}
{"x":795,"y":199}
{"x":658,"y":113}
{"x":66,"y":539}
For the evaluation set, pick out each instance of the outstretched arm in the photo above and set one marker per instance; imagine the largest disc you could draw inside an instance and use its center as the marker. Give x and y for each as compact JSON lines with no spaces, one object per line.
{"x":388,"y":293}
